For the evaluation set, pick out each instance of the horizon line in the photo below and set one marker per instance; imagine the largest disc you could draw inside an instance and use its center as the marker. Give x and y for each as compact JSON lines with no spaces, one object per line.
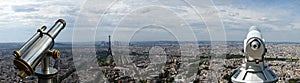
{"x":165,"y":41}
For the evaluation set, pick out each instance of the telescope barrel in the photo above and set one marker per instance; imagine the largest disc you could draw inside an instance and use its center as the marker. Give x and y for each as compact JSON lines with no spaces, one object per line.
{"x":254,"y":32}
{"x":32,"y":39}
{"x":59,"y":25}
{"x":33,"y":51}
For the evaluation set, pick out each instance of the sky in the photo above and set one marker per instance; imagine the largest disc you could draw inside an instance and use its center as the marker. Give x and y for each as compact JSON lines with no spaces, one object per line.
{"x":144,"y":20}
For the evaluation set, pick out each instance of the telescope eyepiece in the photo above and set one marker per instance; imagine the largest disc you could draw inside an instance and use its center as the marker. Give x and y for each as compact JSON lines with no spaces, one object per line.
{"x":255,"y":45}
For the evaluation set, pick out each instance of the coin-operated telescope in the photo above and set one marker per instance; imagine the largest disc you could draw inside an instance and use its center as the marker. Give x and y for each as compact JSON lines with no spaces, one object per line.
{"x":254,"y":70}
{"x":39,"y":49}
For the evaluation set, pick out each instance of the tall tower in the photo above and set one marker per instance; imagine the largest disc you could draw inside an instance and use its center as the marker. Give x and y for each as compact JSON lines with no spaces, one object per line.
{"x":254,"y":70}
{"x":109,"y":53}
{"x":109,"y":56}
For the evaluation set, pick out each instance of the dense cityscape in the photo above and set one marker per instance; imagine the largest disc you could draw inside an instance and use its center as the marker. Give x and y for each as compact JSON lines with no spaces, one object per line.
{"x":156,"y":61}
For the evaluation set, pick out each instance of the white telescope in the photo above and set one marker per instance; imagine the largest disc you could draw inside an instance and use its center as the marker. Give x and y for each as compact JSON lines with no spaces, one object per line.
{"x":254,"y":70}
{"x":36,"y":49}
{"x":254,"y":46}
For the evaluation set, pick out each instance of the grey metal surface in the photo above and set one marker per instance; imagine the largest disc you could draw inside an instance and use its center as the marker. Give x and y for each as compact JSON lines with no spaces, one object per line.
{"x":254,"y":75}
{"x":31,"y":41}
{"x":49,"y":76}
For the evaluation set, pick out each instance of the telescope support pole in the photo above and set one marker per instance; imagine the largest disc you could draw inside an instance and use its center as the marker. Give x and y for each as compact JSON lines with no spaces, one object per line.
{"x":46,"y":74}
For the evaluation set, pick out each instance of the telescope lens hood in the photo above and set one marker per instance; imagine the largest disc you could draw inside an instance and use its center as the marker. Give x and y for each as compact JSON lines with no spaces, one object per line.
{"x":24,"y":68}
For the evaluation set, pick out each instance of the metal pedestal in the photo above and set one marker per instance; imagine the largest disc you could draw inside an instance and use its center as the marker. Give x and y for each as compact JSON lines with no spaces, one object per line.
{"x":254,"y":74}
{"x":46,"y":74}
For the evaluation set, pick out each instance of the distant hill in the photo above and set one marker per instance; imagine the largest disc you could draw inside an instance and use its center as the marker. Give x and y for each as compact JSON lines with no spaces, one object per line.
{"x":10,"y":45}
{"x":63,"y":44}
{"x":18,"y":45}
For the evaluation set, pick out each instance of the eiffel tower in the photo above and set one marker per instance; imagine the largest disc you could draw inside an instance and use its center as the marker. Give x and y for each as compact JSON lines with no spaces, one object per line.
{"x":109,"y":58}
{"x":108,"y":68}
{"x":109,"y":53}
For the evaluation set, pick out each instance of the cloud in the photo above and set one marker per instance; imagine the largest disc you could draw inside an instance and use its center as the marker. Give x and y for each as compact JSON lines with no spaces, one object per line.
{"x":27,"y":16}
{"x":269,"y":16}
{"x":105,"y":15}
{"x":22,"y":9}
{"x":130,"y":14}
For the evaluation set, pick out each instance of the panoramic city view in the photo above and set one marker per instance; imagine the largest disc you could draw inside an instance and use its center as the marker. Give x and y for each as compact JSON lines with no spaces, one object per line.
{"x":169,"y":64}
{"x":150,"y":41}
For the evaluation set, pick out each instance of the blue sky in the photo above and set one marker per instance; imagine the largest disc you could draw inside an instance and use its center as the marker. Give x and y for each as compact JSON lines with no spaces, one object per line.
{"x":143,"y":20}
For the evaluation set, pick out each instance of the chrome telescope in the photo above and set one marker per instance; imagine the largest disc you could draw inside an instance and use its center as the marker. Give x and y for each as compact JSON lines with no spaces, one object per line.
{"x":36,"y":49}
